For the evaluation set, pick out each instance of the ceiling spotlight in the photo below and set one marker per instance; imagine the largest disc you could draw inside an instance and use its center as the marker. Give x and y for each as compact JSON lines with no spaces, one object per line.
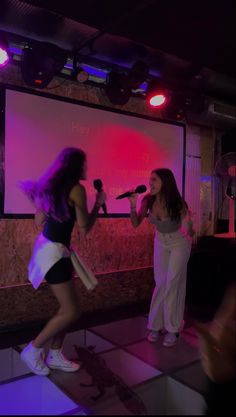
{"x":157,"y":100}
{"x":4,"y":56}
{"x":137,"y":75}
{"x":116,"y":90}
{"x":156,"y":94}
{"x":41,"y":62}
{"x":78,"y":72}
{"x":81,"y":75}
{"x":120,"y":85}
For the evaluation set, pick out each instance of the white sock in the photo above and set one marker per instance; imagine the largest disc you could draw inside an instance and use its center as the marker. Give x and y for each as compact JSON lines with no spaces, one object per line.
{"x":35,"y":349}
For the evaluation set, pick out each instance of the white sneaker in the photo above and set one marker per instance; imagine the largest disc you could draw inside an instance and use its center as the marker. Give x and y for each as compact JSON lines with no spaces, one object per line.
{"x":153,"y":336}
{"x":33,"y":357}
{"x":56,"y":360}
{"x":170,"y":339}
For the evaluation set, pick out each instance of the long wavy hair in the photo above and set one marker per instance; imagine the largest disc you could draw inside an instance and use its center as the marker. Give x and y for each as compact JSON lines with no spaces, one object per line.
{"x":51,"y":192}
{"x":169,"y":194}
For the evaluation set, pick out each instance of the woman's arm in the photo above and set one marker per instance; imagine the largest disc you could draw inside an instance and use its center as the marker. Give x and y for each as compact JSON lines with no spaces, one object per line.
{"x":137,"y":217}
{"x":187,"y":221}
{"x":218,"y":343}
{"x":217,"y":353}
{"x":85,"y":220}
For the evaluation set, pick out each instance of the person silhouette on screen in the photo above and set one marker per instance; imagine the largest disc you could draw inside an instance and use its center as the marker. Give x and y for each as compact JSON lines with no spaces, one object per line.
{"x":172,"y":246}
{"x":98,"y":185}
{"x":60,"y":201}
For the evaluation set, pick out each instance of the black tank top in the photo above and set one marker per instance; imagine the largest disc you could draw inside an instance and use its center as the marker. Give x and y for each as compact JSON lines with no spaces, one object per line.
{"x":60,"y":231}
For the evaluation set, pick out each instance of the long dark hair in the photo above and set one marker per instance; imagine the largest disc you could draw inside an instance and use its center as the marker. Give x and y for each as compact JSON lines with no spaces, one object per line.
{"x":51,"y":192}
{"x":169,"y":194}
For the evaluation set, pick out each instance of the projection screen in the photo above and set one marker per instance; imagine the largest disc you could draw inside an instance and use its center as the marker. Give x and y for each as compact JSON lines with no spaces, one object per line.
{"x":121,"y":148}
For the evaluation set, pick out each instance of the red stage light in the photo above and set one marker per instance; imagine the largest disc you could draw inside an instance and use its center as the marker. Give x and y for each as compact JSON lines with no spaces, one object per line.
{"x":157,"y":93}
{"x":157,"y":100}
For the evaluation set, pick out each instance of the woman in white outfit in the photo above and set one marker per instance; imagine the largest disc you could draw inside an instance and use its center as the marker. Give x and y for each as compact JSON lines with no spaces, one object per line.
{"x":172,"y":245}
{"x":60,"y":202}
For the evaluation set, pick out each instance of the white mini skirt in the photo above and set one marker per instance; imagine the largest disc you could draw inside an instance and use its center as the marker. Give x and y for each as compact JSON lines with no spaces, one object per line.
{"x":46,"y":253}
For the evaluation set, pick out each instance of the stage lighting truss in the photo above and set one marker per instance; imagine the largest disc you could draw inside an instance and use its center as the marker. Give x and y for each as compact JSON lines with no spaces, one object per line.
{"x":120,"y":83}
{"x":95,"y":73}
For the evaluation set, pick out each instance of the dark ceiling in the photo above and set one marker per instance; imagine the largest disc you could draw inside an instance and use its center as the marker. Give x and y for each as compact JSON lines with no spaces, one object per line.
{"x":177,"y":39}
{"x":203,"y":31}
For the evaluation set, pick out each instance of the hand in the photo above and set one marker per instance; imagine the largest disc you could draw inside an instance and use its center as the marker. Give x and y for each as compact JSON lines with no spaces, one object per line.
{"x":217,"y":351}
{"x":101,"y":197}
{"x":188,"y":225}
{"x":207,"y":341}
{"x":210,"y":351}
{"x":133,"y":199}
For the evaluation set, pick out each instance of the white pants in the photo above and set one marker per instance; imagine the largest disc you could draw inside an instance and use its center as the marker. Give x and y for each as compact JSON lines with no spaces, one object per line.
{"x":171,"y":255}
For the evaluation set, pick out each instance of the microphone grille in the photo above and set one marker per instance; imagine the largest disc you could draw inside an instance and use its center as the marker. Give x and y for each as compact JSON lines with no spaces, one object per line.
{"x":141,"y":189}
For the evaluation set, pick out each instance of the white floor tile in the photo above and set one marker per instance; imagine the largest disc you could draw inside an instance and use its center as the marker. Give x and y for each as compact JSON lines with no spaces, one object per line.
{"x":33,"y":395}
{"x":182,"y":400}
{"x":132,"y":370}
{"x":11,"y":365}
{"x":19,"y":368}
{"x":153,"y":395}
{"x":5,"y":364}
{"x":125,"y":331}
{"x":83,"y":339}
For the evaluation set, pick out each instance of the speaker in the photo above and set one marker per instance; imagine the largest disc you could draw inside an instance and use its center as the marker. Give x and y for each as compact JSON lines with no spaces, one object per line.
{"x":120,"y":85}
{"x":228,"y":141}
{"x":41,"y":61}
{"x":116,"y":90}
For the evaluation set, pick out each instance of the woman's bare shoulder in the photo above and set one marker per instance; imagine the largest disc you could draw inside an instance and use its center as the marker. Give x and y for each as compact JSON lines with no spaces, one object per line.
{"x":77,"y":188}
{"x":77,"y":193}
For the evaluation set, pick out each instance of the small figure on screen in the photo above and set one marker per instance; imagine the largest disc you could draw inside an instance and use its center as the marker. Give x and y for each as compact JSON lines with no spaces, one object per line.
{"x":98,"y":185}
{"x":172,"y":245}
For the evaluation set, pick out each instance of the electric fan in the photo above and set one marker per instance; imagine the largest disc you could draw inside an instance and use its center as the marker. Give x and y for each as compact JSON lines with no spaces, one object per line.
{"x":225,"y":170}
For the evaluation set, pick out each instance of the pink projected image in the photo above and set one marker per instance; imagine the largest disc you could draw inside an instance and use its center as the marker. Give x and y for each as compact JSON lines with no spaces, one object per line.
{"x":122,"y":150}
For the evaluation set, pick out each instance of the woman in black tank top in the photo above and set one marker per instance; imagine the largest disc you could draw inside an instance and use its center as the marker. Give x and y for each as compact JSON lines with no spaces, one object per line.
{"x":60,"y":201}
{"x":60,"y":231}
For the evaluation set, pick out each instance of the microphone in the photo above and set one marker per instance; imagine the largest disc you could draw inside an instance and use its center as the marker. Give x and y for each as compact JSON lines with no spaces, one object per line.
{"x":139,"y":189}
{"x":99,"y":186}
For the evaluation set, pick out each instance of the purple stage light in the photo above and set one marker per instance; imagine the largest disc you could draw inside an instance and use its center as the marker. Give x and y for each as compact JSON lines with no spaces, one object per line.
{"x":4,"y":58}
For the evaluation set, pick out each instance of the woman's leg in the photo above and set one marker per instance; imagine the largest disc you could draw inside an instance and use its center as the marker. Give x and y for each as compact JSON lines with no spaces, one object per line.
{"x":161,"y":260}
{"x":66,"y":315}
{"x":57,"y":340}
{"x":176,"y":286}
{"x":33,"y":354}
